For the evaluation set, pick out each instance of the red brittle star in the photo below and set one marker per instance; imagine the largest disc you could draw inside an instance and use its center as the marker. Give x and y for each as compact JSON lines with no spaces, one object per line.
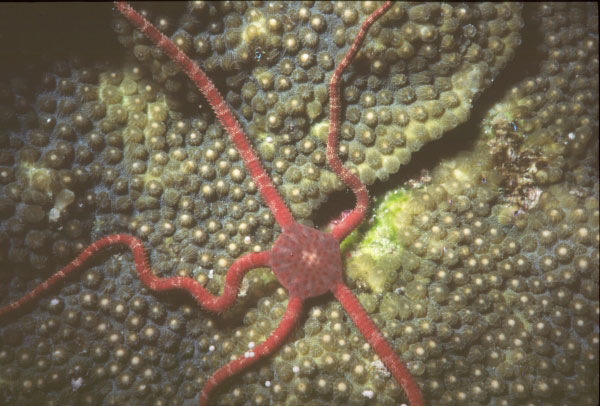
{"x":306,"y":261}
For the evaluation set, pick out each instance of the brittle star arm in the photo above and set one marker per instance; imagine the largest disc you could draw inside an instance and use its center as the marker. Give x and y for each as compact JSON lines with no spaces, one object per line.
{"x":359,"y":189}
{"x":210,"y":302}
{"x":226,"y":118}
{"x":286,"y":325}
{"x":379,"y":344}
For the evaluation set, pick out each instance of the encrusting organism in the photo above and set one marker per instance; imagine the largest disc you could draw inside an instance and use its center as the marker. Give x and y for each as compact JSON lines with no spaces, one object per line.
{"x":306,"y":261}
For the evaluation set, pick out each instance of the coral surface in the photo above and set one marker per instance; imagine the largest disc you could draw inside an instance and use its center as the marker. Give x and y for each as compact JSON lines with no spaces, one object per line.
{"x":475,"y":124}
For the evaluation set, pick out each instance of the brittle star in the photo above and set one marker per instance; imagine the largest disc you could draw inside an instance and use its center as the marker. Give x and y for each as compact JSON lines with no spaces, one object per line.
{"x":306,"y":261}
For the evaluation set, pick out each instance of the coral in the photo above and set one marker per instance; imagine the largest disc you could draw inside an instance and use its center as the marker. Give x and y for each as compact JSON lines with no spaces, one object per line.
{"x":517,"y":304}
{"x":522,"y":328}
{"x":473,"y":239}
{"x":542,"y":125}
{"x":513,"y":273}
{"x":418,"y":77}
{"x":315,"y":271}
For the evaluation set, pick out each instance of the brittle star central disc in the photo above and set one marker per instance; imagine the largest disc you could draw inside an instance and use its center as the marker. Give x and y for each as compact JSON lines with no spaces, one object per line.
{"x":306,"y":261}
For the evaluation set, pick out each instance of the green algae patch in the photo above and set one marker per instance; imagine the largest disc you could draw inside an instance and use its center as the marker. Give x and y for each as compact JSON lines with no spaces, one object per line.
{"x":386,"y":209}
{"x":374,"y":254}
{"x":351,"y":241}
